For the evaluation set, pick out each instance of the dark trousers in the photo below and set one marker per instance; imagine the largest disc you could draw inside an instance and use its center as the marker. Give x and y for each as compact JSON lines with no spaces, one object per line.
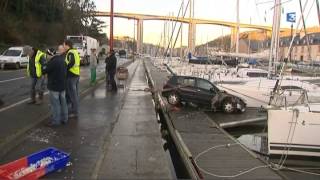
{"x":112,"y":80}
{"x":107,"y":79}
{"x":37,"y":85}
{"x":73,"y":94}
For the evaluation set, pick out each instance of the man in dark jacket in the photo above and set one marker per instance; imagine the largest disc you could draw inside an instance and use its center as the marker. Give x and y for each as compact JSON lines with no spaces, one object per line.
{"x":111,"y":68}
{"x":37,"y":61}
{"x":57,"y":79}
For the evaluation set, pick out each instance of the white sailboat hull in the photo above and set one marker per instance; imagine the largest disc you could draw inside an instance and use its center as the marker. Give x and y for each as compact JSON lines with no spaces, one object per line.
{"x":293,"y":133}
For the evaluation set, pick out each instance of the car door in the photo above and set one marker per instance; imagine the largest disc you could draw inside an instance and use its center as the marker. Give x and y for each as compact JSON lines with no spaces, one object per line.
{"x":186,"y":88}
{"x":24,"y":59}
{"x":205,"y":91}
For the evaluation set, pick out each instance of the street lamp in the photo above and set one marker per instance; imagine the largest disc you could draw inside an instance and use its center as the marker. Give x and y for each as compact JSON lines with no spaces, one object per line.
{"x":111,"y":26}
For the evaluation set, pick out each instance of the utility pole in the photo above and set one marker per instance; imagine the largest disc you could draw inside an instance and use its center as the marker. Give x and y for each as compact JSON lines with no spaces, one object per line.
{"x":111,"y":26}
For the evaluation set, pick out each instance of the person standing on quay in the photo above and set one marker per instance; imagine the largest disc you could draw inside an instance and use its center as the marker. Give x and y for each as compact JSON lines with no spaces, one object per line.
{"x":73,"y":75}
{"x":93,"y":66}
{"x":36,"y":64}
{"x":57,"y":79}
{"x":111,"y":68}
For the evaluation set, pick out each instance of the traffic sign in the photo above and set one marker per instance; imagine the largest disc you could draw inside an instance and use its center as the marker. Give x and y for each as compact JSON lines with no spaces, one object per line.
{"x":291,"y":17}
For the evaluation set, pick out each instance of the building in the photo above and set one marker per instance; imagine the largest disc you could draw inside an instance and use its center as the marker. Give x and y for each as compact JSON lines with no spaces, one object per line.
{"x":257,"y":41}
{"x":300,"y":51}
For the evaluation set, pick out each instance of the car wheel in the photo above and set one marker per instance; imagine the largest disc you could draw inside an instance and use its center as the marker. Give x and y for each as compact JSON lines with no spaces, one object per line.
{"x":173,"y":99}
{"x":227,"y":106}
{"x":17,"y":65}
{"x":242,"y":107}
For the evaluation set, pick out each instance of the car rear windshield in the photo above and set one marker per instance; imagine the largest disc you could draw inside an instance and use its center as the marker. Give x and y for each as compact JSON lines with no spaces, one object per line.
{"x":11,"y":52}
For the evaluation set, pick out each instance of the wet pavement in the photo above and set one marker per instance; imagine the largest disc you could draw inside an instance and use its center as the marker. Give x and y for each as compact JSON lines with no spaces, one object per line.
{"x":135,"y":150}
{"x":21,"y":117}
{"x":82,"y":137}
{"x":111,"y":137}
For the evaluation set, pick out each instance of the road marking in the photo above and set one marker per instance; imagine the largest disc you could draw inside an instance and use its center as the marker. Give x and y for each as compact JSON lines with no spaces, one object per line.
{"x":8,"y":71}
{"x":27,"y":99}
{"x":18,"y":103}
{"x":8,"y":80}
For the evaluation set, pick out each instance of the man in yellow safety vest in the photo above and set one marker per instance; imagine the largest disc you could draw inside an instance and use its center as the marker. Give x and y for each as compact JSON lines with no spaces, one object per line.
{"x":73,"y":75}
{"x":37,"y":61}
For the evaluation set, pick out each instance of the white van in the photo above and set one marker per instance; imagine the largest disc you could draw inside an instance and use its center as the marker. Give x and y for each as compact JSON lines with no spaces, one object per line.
{"x":14,"y":57}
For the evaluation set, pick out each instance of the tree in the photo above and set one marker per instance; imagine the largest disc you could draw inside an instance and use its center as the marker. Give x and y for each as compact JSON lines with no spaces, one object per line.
{"x":45,"y":23}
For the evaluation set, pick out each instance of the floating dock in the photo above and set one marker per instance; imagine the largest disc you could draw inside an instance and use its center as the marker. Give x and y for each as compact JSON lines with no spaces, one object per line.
{"x":208,"y":151}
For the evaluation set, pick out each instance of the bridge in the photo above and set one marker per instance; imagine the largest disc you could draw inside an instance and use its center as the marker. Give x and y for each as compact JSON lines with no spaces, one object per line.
{"x":192,"y":25}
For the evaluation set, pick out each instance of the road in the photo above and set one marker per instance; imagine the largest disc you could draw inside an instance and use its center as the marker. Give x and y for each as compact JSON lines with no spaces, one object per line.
{"x":15,"y":85}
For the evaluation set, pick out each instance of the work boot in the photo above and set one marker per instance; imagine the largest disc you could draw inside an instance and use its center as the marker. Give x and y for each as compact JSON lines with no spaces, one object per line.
{"x":41,"y":96}
{"x":39,"y":101}
{"x":32,"y":101}
{"x":33,"y":98}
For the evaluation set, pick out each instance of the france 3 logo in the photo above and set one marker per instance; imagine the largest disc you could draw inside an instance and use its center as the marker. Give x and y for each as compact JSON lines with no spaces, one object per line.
{"x":291,"y":17}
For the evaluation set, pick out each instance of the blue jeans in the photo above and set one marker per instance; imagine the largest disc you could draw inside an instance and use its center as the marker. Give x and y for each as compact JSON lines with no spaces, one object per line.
{"x":59,"y":107}
{"x":73,"y":94}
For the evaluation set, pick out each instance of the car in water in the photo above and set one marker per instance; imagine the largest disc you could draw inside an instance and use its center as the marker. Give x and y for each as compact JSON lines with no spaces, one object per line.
{"x":14,"y":57}
{"x":201,"y":92}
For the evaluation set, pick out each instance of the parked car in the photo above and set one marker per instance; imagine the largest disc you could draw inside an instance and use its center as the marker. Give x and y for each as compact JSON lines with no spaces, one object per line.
{"x":201,"y":92}
{"x":14,"y":57}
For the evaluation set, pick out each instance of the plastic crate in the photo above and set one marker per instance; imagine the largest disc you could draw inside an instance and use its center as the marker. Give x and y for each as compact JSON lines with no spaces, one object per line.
{"x":35,"y":165}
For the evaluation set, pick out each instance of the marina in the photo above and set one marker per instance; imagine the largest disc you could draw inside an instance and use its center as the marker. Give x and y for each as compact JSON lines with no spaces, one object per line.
{"x":160,"y":89}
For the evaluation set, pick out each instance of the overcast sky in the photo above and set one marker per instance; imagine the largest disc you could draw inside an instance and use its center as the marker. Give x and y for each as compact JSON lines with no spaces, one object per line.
{"x":259,"y":11}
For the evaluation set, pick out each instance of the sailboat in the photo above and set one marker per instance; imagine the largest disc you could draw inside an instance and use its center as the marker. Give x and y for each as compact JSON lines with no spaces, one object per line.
{"x":293,"y":129}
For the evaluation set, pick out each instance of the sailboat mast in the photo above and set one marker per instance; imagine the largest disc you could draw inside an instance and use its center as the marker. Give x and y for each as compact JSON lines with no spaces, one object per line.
{"x":318,"y":11}
{"x":275,"y":36}
{"x":306,"y":33}
{"x":238,"y":29}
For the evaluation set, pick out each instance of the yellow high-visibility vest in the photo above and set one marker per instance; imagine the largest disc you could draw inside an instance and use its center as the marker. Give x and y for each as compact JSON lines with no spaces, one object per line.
{"x":37,"y":64}
{"x":75,"y":69}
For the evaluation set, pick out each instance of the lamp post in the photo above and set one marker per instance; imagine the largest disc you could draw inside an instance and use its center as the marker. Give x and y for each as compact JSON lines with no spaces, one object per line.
{"x":111,"y":25}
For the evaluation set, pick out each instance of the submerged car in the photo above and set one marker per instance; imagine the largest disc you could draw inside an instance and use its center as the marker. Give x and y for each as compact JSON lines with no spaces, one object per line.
{"x":201,"y":92}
